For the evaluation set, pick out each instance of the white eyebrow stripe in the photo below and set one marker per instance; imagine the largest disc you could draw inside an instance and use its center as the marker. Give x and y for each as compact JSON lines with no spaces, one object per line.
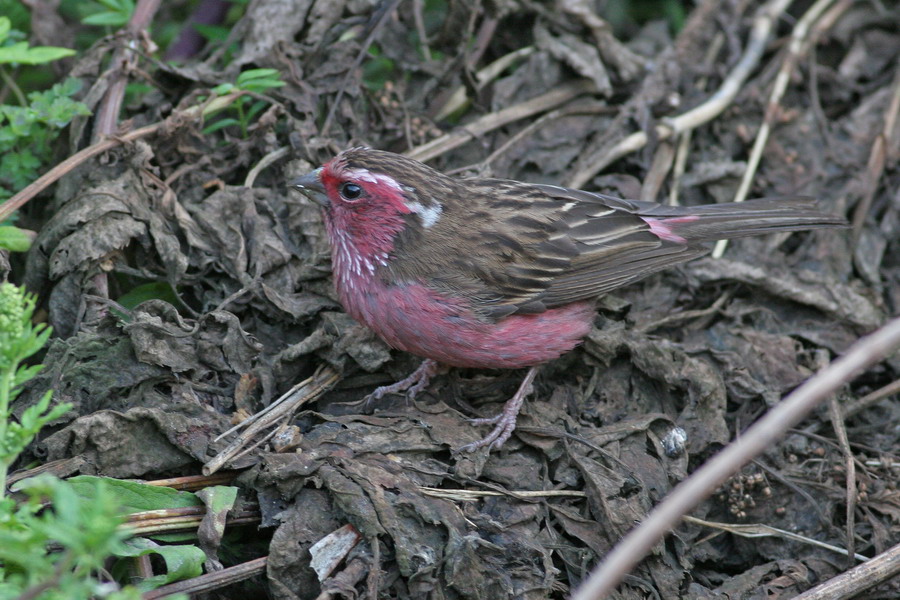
{"x":370,"y":177}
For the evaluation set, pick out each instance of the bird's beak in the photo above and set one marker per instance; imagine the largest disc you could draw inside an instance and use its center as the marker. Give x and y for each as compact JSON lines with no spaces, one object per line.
{"x":311,"y":186}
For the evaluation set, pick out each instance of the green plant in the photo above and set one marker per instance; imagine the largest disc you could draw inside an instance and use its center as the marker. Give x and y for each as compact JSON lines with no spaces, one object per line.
{"x":12,"y":51}
{"x":47,"y":552}
{"x":377,"y":70}
{"x":110,"y":13}
{"x":55,"y":540}
{"x":82,"y":534}
{"x":254,"y":80}
{"x":19,"y":340}
{"x":28,"y":129}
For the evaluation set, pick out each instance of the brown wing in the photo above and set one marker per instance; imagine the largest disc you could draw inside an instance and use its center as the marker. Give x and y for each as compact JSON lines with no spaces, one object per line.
{"x":521,"y":248}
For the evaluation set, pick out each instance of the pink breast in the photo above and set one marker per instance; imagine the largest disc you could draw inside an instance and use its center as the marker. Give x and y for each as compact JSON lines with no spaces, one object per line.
{"x":418,"y":320}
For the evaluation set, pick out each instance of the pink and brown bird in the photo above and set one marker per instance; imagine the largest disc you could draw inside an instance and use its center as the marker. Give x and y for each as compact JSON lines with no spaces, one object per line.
{"x":500,"y":274}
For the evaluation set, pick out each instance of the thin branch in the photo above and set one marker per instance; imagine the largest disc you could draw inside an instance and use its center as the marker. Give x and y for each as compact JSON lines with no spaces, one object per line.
{"x":489,"y":122}
{"x":756,"y":440}
{"x":763,"y":24}
{"x":363,"y":52}
{"x":210,"y":581}
{"x":877,"y":158}
{"x":850,"y":584}
{"x":840,"y":431}
{"x":51,"y":176}
{"x":758,"y":530}
{"x":796,"y":47}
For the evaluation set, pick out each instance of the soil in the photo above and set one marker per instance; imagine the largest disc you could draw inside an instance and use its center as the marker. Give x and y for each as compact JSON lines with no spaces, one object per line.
{"x":189,"y":288}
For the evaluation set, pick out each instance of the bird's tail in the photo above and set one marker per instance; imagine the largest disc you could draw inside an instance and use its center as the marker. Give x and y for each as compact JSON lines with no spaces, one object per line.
{"x":738,"y":219}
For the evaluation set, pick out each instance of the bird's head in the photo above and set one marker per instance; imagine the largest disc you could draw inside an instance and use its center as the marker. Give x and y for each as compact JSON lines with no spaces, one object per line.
{"x":371,"y":197}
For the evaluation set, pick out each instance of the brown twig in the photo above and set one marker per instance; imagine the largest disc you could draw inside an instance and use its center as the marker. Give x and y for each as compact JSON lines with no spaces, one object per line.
{"x":42,"y":182}
{"x":877,"y":157}
{"x":659,"y":169}
{"x":762,"y":27}
{"x":192,"y":483}
{"x":122,"y":62}
{"x":796,"y":48}
{"x":458,"y":98}
{"x":850,"y":584}
{"x":580,"y":109}
{"x":492,"y":121}
{"x":690,"y":492}
{"x":840,"y":431}
{"x":870,"y":399}
{"x":210,"y":581}
{"x":48,"y":178}
{"x":305,"y":391}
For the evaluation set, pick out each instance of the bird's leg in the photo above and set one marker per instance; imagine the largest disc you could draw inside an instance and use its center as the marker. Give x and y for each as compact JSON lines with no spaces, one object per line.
{"x":412,"y":385}
{"x":505,"y":421}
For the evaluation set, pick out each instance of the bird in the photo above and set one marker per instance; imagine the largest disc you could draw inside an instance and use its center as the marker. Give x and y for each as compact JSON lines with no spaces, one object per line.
{"x":502,"y":274}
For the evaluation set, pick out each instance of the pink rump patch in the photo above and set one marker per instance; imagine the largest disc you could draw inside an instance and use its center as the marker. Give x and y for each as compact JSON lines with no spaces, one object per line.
{"x":661,"y":227}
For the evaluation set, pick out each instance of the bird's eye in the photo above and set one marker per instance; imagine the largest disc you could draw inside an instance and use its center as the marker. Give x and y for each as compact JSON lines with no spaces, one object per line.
{"x":351,"y":191}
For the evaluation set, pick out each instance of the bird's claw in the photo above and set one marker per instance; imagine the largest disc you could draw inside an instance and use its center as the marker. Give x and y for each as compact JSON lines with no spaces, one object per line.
{"x":413,"y":384}
{"x":505,"y":421}
{"x":506,"y":424}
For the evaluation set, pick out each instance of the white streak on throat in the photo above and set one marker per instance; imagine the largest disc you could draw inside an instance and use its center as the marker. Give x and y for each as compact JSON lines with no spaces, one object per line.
{"x":350,"y":266}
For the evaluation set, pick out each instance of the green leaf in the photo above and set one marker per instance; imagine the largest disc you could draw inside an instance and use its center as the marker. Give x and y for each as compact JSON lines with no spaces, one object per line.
{"x":182,"y":562}
{"x":212,"y":33}
{"x":21,"y":53}
{"x":223,"y":88}
{"x":254,"y":109}
{"x":157,"y":290}
{"x":258,"y":80}
{"x":220,"y":124}
{"x":105,"y":18}
{"x":261,"y":85}
{"x":118,"y":5}
{"x":136,"y":497}
{"x":14,"y":239}
{"x":24,"y":373}
{"x":256,"y":74}
{"x":5,"y":26}
{"x":118,"y":14}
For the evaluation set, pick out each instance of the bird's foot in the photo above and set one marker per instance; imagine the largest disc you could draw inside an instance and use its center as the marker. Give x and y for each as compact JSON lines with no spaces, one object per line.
{"x":412,"y":385}
{"x":505,"y":421}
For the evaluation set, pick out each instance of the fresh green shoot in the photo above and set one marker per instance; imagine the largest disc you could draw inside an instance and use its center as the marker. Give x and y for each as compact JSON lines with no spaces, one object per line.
{"x":86,"y":532}
{"x":58,"y":535}
{"x":256,"y":81}
{"x":14,"y":239}
{"x":27,"y":133}
{"x":29,"y":127}
{"x":19,"y":340}
{"x":377,"y":70}
{"x":12,"y":52}
{"x":110,"y":13}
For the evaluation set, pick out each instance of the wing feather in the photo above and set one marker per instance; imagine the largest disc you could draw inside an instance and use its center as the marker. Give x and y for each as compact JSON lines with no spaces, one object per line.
{"x":537,"y":247}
